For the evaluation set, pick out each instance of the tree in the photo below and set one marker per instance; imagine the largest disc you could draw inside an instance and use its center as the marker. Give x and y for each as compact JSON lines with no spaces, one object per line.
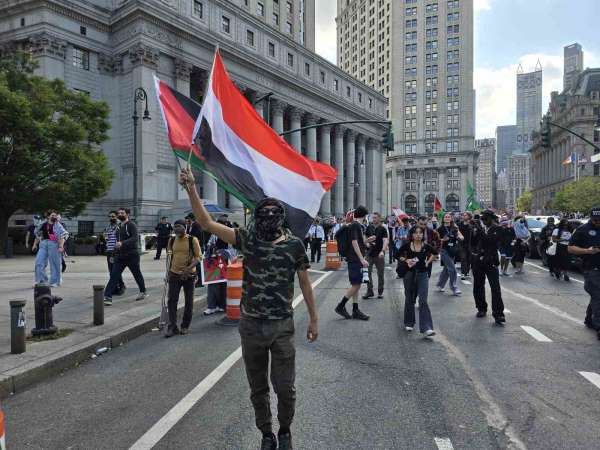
{"x":524,"y":201}
{"x":50,"y":155}
{"x":578,"y":196}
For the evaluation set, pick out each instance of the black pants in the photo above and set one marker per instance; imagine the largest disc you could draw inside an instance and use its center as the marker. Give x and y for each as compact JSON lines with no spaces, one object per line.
{"x":119,"y":265}
{"x":175,"y":285}
{"x":315,"y":248}
{"x":465,"y":259}
{"x":592,"y":287}
{"x":160,"y":244}
{"x":560,"y":261}
{"x":480,"y":272}
{"x":110,"y":263}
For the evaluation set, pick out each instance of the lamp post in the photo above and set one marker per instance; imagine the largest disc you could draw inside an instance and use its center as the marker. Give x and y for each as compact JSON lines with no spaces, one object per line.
{"x":139,"y":95}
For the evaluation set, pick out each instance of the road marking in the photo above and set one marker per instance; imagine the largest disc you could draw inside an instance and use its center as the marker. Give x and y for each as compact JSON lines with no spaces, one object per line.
{"x":535,"y":334}
{"x":169,"y":420}
{"x":546,"y":270}
{"x":592,"y":377}
{"x":443,"y":444}
{"x":317,"y":271}
{"x":551,"y":309}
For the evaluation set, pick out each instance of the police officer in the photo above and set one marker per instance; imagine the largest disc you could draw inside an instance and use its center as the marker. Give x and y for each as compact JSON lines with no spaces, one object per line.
{"x":485,"y":241}
{"x":586,"y":243}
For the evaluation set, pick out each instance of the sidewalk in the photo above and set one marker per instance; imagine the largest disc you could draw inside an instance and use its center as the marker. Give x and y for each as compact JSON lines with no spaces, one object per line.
{"x":123,"y":321}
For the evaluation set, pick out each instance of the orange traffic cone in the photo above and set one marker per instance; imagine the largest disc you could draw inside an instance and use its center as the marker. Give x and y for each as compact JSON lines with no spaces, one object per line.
{"x":235,"y":274}
{"x":2,"y":438}
{"x":332,"y":257}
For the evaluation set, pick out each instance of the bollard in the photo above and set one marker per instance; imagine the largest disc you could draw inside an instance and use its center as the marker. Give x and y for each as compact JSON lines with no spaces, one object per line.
{"x":43,"y":302}
{"x":98,"y":304}
{"x":17,"y":326}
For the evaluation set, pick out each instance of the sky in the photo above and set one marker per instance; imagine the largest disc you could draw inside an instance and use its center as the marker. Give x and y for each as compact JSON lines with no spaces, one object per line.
{"x":507,"y":33}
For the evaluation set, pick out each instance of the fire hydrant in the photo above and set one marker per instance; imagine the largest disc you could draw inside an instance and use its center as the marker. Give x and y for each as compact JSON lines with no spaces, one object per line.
{"x":43,"y":302}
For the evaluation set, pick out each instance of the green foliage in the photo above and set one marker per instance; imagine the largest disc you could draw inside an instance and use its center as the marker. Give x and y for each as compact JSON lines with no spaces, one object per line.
{"x":49,"y":143}
{"x":578,"y":196}
{"x":524,"y":201}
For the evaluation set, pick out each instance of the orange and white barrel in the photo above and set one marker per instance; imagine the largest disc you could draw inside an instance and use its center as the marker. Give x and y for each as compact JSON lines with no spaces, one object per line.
{"x":2,"y":437}
{"x":235,"y":273}
{"x":332,"y":257}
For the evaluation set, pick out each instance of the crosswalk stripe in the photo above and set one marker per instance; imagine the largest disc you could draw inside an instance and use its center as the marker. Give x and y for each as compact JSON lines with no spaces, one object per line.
{"x":535,"y":334}
{"x":443,"y":444}
{"x":592,"y":377}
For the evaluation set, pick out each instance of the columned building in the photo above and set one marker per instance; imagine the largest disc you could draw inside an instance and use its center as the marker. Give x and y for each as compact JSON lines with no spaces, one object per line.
{"x":419,"y":54}
{"x":577,"y":109}
{"x":486,"y":172}
{"x":109,"y":48}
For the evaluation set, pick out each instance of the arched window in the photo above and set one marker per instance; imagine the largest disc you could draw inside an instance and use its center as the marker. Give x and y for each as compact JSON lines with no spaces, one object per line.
{"x":429,"y":201}
{"x":410,"y":204}
{"x":452,"y":203}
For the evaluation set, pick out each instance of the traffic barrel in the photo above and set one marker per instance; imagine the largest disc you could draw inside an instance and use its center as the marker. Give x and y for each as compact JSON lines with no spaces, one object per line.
{"x":235,"y":273}
{"x":2,"y":437}
{"x":332,"y":257}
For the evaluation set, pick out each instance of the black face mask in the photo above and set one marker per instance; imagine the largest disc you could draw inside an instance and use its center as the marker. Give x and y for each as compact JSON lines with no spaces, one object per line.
{"x":122,"y":218}
{"x":269,"y":223}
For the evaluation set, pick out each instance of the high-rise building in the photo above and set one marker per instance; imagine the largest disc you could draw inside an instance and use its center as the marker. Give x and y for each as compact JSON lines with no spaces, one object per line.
{"x":573,"y":64}
{"x":419,"y":54}
{"x":506,"y":142}
{"x":529,"y":106}
{"x":518,"y":178}
{"x":486,"y":172}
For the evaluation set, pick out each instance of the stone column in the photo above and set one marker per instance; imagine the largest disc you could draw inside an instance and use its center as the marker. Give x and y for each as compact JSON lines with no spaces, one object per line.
{"x":362,"y":170}
{"x":339,"y":165}
{"x":295,"y":123}
{"x":311,"y":137}
{"x":372,"y":176}
{"x":325,"y":157}
{"x":350,"y":163}
{"x":277,"y":108}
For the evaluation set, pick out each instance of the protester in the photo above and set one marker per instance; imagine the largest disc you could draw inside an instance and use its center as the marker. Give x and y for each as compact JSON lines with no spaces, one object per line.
{"x":126,"y":255}
{"x":585,"y":242}
{"x":217,"y":292}
{"x":484,"y":251}
{"x":418,"y":256}
{"x":522,"y":234}
{"x":401,"y":234}
{"x":193,"y":228}
{"x":464,"y":251}
{"x":376,"y":255}
{"x":355,"y":256}
{"x":163,"y":233}
{"x":272,"y":256}
{"x":507,"y":238}
{"x":336,"y":227}
{"x":431,"y":238}
{"x":546,"y":241}
{"x":185,"y":254}
{"x":63,"y":255}
{"x":317,"y":236}
{"x":110,"y":234}
{"x":30,"y":237}
{"x":391,"y":227}
{"x":50,"y":239}
{"x":560,"y":261}
{"x":450,"y":236}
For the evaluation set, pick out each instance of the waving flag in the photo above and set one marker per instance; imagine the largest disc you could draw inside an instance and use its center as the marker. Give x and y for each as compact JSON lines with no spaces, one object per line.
{"x":572,"y":159}
{"x":438,"y":210}
{"x":400,"y":214}
{"x":234,"y":145}
{"x":472,"y":203}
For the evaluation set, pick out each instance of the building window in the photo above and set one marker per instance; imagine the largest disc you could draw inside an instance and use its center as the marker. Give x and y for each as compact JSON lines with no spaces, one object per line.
{"x":429,"y":201}
{"x":250,"y":37}
{"x":81,"y":58}
{"x":359,"y":97}
{"x":260,"y":9}
{"x":336,"y":85}
{"x":322,"y":77}
{"x":85,"y":227}
{"x":225,"y":24}
{"x":271,"y":49}
{"x":198,"y":9}
{"x":83,"y":30}
{"x":290,"y":60}
{"x":289,"y":7}
{"x":275,"y":19}
{"x":22,"y":21}
{"x":410,"y":204}
{"x":307,"y":69}
{"x":288,"y":27}
{"x":452,"y":203}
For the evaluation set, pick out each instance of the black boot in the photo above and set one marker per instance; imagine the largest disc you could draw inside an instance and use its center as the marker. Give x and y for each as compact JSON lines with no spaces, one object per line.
{"x":285,"y":441}
{"x":341,"y":310}
{"x":358,"y":314}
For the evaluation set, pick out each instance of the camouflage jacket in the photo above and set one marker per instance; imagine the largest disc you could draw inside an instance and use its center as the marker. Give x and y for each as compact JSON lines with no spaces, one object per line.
{"x":269,"y":271}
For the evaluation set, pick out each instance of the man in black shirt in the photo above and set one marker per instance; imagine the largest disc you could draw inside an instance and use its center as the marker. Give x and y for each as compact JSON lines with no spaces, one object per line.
{"x":465,"y":252}
{"x":376,"y":255}
{"x":163,"y":233}
{"x":545,"y":241}
{"x":586,"y":242}
{"x":355,"y":255}
{"x":485,"y":241}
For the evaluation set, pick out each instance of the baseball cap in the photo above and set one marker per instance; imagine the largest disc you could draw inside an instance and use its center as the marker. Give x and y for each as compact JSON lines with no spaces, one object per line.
{"x":595,"y":213}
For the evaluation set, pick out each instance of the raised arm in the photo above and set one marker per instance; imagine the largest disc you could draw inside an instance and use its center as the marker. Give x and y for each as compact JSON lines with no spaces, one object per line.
{"x":186,"y":179}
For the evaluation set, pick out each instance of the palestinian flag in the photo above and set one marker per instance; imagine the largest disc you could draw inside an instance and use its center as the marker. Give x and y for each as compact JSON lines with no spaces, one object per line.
{"x":438,"y":210}
{"x":234,"y":145}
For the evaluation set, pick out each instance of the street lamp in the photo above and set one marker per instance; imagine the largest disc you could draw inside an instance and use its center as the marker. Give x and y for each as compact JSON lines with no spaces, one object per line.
{"x":139,"y":95}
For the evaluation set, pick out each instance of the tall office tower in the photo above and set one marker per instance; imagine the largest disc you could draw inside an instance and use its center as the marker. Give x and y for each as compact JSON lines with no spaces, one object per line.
{"x":529,"y":106}
{"x":506,"y":139}
{"x":486,"y":171}
{"x":573,"y":64}
{"x":419,"y":53}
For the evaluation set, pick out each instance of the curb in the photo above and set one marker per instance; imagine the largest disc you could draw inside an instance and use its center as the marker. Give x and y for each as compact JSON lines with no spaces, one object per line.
{"x":20,"y":379}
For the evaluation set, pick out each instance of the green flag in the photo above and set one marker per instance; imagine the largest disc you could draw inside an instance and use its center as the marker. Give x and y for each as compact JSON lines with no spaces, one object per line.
{"x":472,"y":203}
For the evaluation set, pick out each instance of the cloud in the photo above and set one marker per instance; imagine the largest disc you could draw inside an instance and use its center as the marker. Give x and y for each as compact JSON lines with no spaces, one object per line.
{"x":482,"y":5}
{"x":325,"y":32}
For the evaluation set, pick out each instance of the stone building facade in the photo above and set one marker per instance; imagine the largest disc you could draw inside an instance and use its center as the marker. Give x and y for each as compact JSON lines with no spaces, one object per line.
{"x":579,"y":110}
{"x":108,"y":48}
{"x":486,"y":172}
{"x":519,"y":174}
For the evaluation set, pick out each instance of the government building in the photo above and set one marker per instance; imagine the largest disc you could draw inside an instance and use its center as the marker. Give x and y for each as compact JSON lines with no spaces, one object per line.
{"x":109,"y":48}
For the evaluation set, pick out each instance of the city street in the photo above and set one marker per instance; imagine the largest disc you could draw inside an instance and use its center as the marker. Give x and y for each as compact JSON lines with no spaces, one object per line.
{"x":363,"y":385}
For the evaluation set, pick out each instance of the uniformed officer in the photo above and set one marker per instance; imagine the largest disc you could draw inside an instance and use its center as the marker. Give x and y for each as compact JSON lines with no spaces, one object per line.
{"x":586,"y":242}
{"x":485,"y":241}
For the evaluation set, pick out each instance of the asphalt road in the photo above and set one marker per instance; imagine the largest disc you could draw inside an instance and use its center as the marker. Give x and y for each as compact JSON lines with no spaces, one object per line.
{"x":362,"y":385}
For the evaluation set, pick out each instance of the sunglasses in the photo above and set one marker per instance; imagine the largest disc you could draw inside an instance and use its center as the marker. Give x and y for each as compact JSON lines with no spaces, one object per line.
{"x":266,"y":212}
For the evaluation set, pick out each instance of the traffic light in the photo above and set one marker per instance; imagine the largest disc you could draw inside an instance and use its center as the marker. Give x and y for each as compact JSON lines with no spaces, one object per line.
{"x":388,"y":141}
{"x":545,"y":133}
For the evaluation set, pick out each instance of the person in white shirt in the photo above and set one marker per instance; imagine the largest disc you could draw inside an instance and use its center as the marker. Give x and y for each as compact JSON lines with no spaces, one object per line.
{"x":317,"y":235}
{"x":560,"y":261}
{"x":335,"y":228}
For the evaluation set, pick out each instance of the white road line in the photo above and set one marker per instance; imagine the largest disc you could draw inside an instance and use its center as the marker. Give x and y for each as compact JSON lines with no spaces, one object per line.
{"x":317,"y":271}
{"x":169,"y":420}
{"x":592,"y":377}
{"x":535,"y":334}
{"x":551,"y":309}
{"x":443,"y":444}
{"x":546,"y":270}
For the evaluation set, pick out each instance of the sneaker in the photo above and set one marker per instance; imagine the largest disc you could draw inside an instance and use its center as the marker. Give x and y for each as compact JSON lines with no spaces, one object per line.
{"x":409,"y":329}
{"x":107,"y":301}
{"x":439,"y":289}
{"x":219,"y":309}
{"x":463,"y":278}
{"x":141,"y":296}
{"x":285,"y":441}
{"x":120,"y":292}
{"x":268,"y":442}
{"x":357,"y":314}
{"x":341,"y":310}
{"x":500,"y":320}
{"x":379,"y":295}
{"x":368,"y":295}
{"x":171,"y":331}
{"x":183,"y":330}
{"x":456,"y":292}
{"x":481,"y":313}
{"x":429,"y":333}
{"x":209,"y":311}
{"x":567,"y":277}
{"x":54,"y":285}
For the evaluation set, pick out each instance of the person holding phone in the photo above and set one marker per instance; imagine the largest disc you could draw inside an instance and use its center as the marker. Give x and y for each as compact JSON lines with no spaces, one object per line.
{"x":450,"y":236}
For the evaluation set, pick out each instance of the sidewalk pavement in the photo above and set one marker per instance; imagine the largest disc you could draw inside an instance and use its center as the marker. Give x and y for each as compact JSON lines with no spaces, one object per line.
{"x":126,"y":319}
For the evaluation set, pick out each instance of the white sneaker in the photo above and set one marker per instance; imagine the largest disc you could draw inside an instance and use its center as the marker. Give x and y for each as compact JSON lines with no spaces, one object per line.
{"x":456,"y":292}
{"x":429,"y":333}
{"x":408,"y":328}
{"x":141,"y":296}
{"x":417,"y":304}
{"x":209,"y":311}
{"x":219,"y":309}
{"x":54,"y":285}
{"x":439,"y":289}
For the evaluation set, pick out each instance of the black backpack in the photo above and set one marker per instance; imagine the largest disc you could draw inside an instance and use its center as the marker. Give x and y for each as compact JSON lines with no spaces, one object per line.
{"x":343,"y":240}
{"x":190,"y":249}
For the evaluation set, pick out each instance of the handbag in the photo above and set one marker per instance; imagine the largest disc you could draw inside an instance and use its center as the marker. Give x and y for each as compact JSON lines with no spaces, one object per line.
{"x":401,"y":268}
{"x":551,"y":251}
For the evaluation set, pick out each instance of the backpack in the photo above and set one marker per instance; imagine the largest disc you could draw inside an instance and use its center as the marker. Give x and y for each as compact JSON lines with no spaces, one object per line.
{"x":190,"y":249}
{"x":342,"y":238}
